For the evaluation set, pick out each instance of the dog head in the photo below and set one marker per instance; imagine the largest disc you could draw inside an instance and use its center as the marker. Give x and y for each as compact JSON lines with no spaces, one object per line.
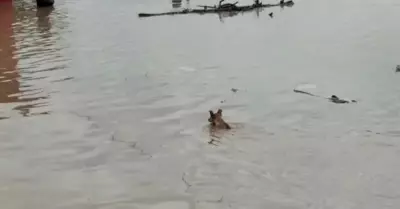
{"x":216,"y":120}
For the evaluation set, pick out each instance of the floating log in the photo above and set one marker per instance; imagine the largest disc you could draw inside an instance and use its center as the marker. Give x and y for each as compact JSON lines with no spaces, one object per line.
{"x":215,"y":9}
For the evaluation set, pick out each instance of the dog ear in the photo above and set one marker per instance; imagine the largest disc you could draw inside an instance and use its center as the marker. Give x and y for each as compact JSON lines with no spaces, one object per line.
{"x":219,"y":112}
{"x":212,"y":116}
{"x":211,"y":113}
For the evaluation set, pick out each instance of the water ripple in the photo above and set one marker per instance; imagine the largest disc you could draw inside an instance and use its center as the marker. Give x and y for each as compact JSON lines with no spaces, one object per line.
{"x":120,"y":107}
{"x":31,"y":55}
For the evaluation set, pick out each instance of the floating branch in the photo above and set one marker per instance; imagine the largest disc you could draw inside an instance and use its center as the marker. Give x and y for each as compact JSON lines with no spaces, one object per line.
{"x":228,"y":7}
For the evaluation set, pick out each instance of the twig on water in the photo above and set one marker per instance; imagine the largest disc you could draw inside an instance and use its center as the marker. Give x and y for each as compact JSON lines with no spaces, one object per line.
{"x":133,"y":145}
{"x":184,"y":181}
{"x":213,"y":201}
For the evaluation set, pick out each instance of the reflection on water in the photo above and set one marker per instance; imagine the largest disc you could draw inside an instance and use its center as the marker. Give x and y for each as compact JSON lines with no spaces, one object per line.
{"x":9,"y":84}
{"x":11,"y":89}
{"x":257,"y":12}
{"x":43,"y":21}
{"x":176,"y":3}
{"x":188,"y":4}
{"x":223,"y":15}
{"x":28,"y":48}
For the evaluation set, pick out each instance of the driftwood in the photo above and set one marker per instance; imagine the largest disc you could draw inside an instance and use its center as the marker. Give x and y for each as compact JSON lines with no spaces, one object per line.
{"x":218,"y":9}
{"x":333,"y":98}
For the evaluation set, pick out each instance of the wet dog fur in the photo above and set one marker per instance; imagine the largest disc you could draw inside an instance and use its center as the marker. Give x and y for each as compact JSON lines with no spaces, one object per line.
{"x":216,"y":120}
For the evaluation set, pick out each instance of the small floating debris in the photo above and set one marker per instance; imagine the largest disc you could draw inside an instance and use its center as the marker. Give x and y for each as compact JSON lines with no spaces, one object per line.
{"x":398,"y":68}
{"x":185,"y":181}
{"x":333,"y":98}
{"x":305,"y":92}
{"x":234,"y":90}
{"x":271,"y":14}
{"x":337,"y":100}
{"x":369,"y":131}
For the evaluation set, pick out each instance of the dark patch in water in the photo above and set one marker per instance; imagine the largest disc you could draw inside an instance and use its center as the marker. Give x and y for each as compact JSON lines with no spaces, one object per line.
{"x":4,"y":118}
{"x":64,"y":79}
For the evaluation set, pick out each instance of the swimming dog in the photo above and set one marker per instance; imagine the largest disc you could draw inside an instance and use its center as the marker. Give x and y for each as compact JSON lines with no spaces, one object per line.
{"x":216,"y":120}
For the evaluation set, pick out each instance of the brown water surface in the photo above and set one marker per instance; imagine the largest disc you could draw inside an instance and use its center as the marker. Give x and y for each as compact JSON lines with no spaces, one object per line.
{"x":101,"y":109}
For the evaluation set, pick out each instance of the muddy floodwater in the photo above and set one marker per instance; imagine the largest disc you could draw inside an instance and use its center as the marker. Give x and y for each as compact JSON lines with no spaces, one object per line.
{"x":100,"y":109}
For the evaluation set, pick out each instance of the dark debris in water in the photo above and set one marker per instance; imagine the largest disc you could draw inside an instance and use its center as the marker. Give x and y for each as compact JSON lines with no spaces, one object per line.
{"x":88,"y":118}
{"x":132,"y":145}
{"x":63,"y":79}
{"x":185,"y":181}
{"x":369,"y":131}
{"x":213,"y":201}
{"x":398,"y":68}
{"x":337,"y":100}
